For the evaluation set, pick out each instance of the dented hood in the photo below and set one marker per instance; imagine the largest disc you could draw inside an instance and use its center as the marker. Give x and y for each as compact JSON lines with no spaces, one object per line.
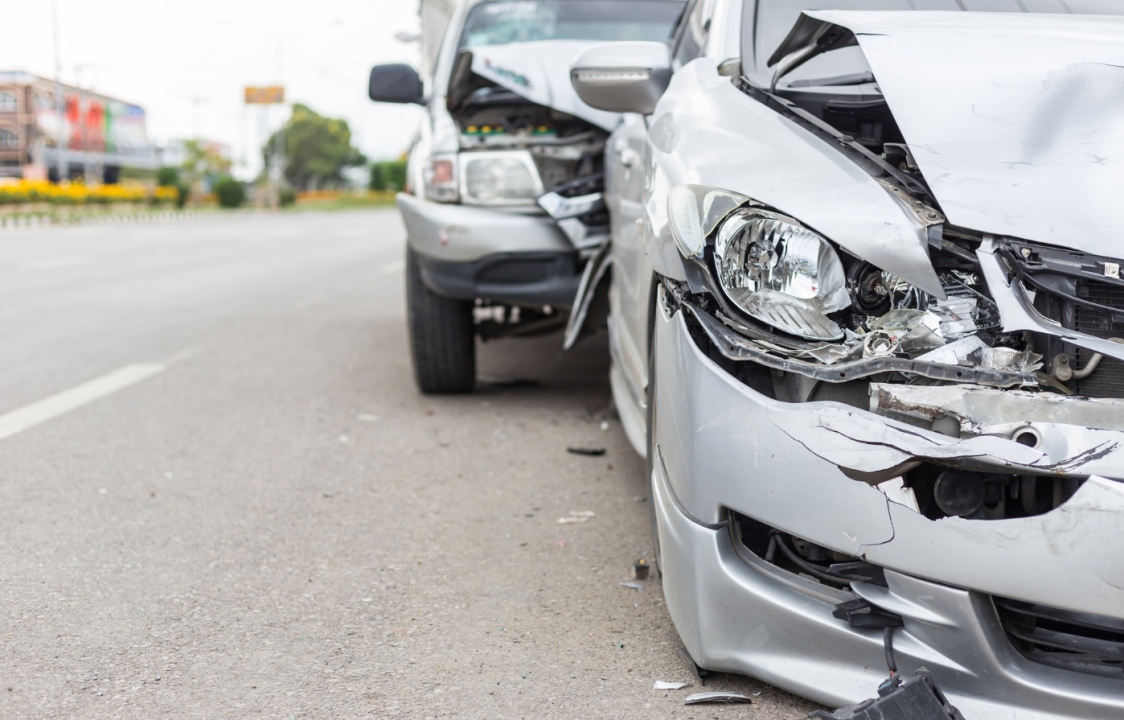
{"x":540,"y":72}
{"x":1016,"y":121}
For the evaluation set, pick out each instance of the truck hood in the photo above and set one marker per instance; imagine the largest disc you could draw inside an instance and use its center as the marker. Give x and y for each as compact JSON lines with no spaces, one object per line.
{"x":540,"y":72}
{"x":1016,"y":121}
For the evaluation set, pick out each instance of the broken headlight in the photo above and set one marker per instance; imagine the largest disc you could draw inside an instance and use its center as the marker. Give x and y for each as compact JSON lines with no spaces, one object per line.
{"x":781,"y":273}
{"x":499,"y":178}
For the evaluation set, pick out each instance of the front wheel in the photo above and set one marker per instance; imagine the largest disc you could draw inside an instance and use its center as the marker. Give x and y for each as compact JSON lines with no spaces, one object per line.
{"x":442,"y":338}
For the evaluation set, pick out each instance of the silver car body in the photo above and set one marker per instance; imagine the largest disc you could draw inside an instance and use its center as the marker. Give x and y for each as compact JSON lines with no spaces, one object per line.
{"x":1014,"y":121}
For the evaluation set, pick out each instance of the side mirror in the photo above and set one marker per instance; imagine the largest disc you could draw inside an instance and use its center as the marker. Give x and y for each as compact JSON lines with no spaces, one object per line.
{"x":622,"y":76}
{"x":395,"y":83}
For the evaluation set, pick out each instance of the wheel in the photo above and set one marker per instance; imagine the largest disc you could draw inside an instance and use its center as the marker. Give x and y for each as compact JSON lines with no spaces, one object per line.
{"x":442,"y":342}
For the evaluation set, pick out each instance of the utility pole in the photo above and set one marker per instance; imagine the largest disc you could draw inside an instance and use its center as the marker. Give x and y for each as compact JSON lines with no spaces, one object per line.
{"x":60,"y":138}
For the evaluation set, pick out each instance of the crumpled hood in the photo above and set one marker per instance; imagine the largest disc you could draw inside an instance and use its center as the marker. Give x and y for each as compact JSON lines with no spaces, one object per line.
{"x":1016,"y":121}
{"x":540,"y":72}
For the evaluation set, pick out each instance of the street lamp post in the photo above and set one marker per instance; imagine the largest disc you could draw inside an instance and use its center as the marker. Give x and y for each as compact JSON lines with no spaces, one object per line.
{"x":60,"y":139}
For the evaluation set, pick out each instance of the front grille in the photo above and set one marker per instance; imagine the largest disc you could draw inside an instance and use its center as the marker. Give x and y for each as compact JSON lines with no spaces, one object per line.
{"x":1081,"y":642}
{"x":516,"y":271}
{"x":1108,"y":380}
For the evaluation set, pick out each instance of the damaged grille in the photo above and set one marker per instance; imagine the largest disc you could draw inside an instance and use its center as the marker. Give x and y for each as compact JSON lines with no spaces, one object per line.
{"x":1081,"y":642}
{"x":1108,"y":380}
{"x":1082,"y":292}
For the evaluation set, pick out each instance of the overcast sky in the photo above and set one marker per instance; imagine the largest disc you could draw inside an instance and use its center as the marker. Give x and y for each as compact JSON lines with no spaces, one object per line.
{"x":186,"y":62}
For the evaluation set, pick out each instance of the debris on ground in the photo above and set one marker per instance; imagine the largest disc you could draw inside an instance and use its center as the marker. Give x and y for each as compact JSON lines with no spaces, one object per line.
{"x":632,"y":585}
{"x":588,"y":451}
{"x":604,"y":425}
{"x":640,"y":569}
{"x":663,"y":685}
{"x":577,"y":516}
{"x":716,"y":697}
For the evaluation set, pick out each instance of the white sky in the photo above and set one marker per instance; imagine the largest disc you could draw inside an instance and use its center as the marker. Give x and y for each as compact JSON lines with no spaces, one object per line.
{"x":164,"y":55}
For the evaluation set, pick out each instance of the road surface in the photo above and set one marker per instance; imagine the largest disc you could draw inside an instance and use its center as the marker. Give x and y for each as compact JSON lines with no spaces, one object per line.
{"x":221,"y":495}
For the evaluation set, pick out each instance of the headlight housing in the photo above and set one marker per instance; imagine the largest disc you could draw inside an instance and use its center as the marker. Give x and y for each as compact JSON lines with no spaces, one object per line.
{"x":781,"y":273}
{"x":499,"y":178}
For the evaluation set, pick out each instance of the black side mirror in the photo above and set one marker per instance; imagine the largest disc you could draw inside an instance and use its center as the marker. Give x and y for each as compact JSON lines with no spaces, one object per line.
{"x":395,"y":83}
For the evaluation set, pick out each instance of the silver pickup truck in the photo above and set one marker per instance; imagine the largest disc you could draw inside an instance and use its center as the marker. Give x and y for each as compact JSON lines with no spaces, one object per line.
{"x":503,"y":205}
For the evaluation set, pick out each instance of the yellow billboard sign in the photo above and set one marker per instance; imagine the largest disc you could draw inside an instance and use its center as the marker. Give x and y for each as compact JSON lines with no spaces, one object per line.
{"x":267,"y":95}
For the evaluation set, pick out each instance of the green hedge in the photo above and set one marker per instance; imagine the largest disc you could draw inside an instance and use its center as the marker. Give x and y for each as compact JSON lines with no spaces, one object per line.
{"x":388,"y":175}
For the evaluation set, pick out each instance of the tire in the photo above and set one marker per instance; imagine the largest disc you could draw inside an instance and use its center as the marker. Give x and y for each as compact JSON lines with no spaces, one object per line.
{"x":442,"y":339}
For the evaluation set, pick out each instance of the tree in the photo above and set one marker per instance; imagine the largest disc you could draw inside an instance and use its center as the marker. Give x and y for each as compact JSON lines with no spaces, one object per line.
{"x":388,"y":175}
{"x":203,"y":162}
{"x":317,"y":149}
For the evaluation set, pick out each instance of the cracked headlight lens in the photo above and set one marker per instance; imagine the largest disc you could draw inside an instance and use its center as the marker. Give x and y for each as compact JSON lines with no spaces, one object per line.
{"x":781,"y":273}
{"x":499,"y":178}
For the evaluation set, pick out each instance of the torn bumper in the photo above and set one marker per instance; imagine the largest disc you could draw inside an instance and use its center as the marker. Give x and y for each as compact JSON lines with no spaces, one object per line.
{"x":724,"y":446}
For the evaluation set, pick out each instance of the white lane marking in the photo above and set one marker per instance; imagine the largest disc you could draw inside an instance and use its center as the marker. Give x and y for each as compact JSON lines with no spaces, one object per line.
{"x":57,"y":262}
{"x":393,"y":268}
{"x":61,"y":403}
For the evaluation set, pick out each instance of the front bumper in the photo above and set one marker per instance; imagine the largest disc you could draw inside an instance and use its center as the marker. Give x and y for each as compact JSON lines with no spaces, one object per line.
{"x":504,"y":256}
{"x":722,"y":446}
{"x":463,"y":233}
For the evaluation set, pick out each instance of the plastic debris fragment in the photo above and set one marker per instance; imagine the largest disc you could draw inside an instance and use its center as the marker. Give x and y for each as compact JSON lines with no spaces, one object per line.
{"x":576,"y":516}
{"x":663,"y":685}
{"x":716,"y":697}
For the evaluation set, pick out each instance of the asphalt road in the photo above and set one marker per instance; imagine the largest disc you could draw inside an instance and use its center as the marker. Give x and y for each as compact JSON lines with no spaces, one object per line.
{"x":251,"y":511}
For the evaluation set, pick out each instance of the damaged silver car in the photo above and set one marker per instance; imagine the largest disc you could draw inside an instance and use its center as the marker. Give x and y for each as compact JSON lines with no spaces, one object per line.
{"x":503,"y":206}
{"x":867,"y":326}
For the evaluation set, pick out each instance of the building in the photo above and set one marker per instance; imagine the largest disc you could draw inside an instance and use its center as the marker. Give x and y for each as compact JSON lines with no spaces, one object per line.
{"x":93,"y":137}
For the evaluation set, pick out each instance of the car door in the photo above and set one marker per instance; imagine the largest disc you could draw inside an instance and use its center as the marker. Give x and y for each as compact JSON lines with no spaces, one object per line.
{"x":628,"y":172}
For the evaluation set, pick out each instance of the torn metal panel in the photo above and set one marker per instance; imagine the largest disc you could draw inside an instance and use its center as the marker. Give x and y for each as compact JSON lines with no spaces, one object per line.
{"x":986,"y":411}
{"x":868,"y":444}
{"x":1041,"y":154}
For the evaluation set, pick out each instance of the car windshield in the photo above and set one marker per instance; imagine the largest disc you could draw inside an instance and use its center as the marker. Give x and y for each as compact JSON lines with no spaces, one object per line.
{"x":500,"y":23}
{"x":774,"y":18}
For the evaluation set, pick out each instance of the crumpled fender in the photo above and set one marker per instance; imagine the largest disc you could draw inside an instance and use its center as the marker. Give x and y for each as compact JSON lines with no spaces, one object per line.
{"x":707,"y":132}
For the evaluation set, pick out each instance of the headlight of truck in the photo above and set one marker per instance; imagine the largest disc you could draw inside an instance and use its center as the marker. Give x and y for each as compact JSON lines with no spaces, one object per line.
{"x":781,"y":273}
{"x":499,"y":178}
{"x":440,"y":176}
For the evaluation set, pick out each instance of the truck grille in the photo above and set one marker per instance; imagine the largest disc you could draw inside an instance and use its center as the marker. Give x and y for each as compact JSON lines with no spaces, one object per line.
{"x":1081,"y":642}
{"x":1108,"y":380}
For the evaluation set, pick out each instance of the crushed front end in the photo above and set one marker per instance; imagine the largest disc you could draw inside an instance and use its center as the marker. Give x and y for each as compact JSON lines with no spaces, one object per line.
{"x":826,"y":431}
